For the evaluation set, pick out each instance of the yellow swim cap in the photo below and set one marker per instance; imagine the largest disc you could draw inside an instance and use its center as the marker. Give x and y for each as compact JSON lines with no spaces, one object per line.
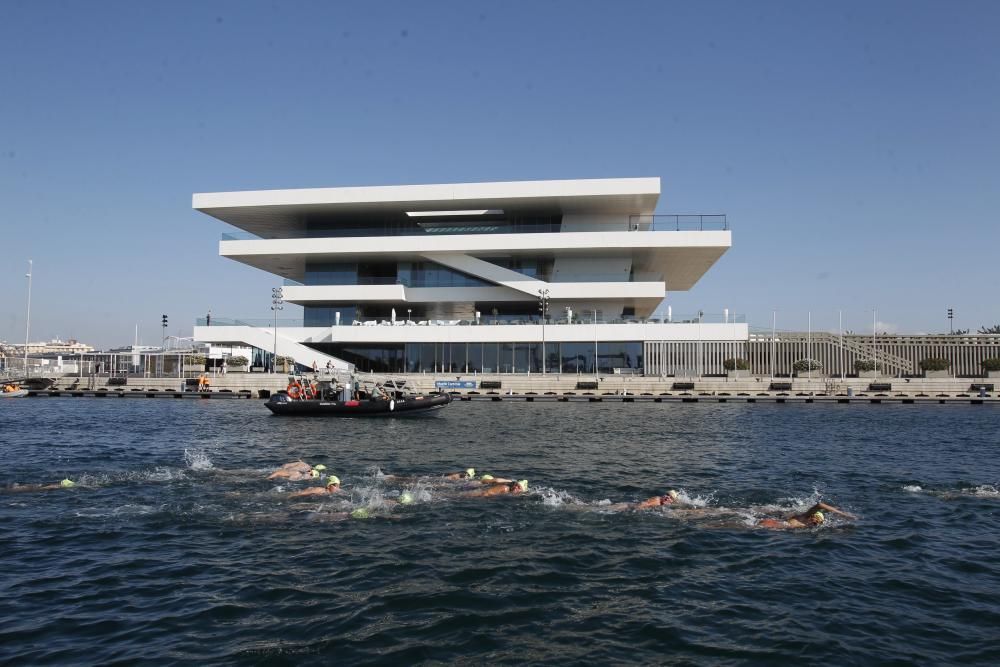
{"x":523,"y":484}
{"x":405,"y":498}
{"x":470,"y":472}
{"x":67,"y":483}
{"x":361,"y":513}
{"x":673,"y":494}
{"x":333,"y":479}
{"x":818,"y":517}
{"x":314,"y":473}
{"x":486,"y":478}
{"x":319,"y":467}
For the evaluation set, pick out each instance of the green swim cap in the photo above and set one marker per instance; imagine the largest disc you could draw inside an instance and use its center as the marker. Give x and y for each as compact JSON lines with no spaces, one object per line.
{"x":818,"y":517}
{"x":470,"y":472}
{"x":523,"y":483}
{"x":319,"y":467}
{"x":361,"y":513}
{"x":405,"y":498}
{"x":67,"y":483}
{"x":673,"y":494}
{"x":486,"y":478}
{"x":314,"y":473}
{"x":333,"y":479}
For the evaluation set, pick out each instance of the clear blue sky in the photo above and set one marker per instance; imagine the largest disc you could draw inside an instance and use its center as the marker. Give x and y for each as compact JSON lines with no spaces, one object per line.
{"x":855,"y":146}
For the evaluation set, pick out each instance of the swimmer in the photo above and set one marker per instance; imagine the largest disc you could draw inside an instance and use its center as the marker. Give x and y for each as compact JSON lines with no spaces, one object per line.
{"x":297,"y":471}
{"x":810,"y":518}
{"x":332,"y":486}
{"x":669,"y":498}
{"x":470,"y":473}
{"x":23,"y":488}
{"x":514,"y":488}
{"x":490,"y":479}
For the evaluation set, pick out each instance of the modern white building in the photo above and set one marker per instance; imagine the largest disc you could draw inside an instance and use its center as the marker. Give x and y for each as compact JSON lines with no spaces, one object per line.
{"x":452,"y":278}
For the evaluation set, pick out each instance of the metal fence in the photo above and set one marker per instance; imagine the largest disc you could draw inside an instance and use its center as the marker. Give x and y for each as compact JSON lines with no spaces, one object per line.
{"x":893,"y":355}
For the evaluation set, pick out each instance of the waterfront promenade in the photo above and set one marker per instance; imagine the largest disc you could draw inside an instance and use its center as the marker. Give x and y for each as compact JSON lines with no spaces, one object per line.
{"x":566,"y":388}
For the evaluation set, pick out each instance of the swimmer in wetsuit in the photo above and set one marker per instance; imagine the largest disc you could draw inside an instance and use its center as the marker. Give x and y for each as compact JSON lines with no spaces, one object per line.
{"x":332,"y":486}
{"x":514,"y":488}
{"x":811,"y":518}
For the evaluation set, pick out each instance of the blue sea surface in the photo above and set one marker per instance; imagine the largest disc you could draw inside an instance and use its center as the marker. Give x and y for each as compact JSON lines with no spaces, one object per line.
{"x":174,"y":547}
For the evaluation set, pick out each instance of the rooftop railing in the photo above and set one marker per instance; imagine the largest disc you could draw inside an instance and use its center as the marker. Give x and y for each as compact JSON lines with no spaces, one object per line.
{"x":484,"y":320}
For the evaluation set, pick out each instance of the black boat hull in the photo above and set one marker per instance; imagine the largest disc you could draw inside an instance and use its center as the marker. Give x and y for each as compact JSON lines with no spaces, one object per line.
{"x":280,"y":404}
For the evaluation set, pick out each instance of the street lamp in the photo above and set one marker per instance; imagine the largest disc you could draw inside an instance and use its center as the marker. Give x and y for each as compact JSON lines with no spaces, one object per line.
{"x":543,"y":306}
{"x":27,"y":325}
{"x":276,"y":301}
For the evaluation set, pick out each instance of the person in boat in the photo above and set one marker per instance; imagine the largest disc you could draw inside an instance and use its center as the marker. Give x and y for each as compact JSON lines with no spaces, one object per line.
{"x":332,"y":485}
{"x":811,"y":518}
{"x":513,"y":489}
{"x":10,"y":388}
{"x":23,"y":488}
{"x":296,"y":471}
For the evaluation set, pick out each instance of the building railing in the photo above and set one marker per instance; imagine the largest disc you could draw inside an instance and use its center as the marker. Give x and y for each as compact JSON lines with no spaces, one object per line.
{"x":673,"y":222}
{"x":678,"y":222}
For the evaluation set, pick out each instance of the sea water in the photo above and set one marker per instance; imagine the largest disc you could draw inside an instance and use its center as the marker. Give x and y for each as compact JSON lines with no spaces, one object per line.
{"x":174,"y":546}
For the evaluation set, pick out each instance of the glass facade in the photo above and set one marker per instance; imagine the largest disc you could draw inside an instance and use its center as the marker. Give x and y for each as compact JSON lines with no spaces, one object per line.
{"x":486,"y":358}
{"x":411,"y":274}
{"x":403,"y":225}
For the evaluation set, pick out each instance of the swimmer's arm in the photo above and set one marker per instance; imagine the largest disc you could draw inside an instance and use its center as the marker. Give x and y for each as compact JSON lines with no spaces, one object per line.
{"x":830,"y":508}
{"x":649,"y":502}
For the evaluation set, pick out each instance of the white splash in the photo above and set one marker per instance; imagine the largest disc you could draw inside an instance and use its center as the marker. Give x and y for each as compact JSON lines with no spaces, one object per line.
{"x":197,"y":459}
{"x":912,"y":488}
{"x":555,"y":498}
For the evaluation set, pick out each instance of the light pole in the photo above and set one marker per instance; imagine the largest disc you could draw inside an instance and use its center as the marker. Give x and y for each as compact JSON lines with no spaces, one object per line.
{"x":774,"y":329}
{"x":543,"y":306}
{"x":27,"y":324}
{"x":276,"y":301}
{"x":163,"y":347}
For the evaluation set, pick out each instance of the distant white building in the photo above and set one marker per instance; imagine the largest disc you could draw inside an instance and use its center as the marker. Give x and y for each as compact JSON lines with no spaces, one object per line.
{"x":452,"y":278}
{"x":54,"y":346}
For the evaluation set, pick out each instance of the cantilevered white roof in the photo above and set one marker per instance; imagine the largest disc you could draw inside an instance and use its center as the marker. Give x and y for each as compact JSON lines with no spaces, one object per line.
{"x":269,"y":213}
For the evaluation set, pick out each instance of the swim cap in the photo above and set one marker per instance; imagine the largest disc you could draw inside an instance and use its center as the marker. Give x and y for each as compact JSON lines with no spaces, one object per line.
{"x":817,"y":517}
{"x":470,"y":472}
{"x":405,"y":498}
{"x":361,"y":513}
{"x":319,"y":467}
{"x":486,"y":478}
{"x":67,"y":483}
{"x":523,"y":484}
{"x":673,"y":494}
{"x":314,"y":473}
{"x":333,"y":479}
